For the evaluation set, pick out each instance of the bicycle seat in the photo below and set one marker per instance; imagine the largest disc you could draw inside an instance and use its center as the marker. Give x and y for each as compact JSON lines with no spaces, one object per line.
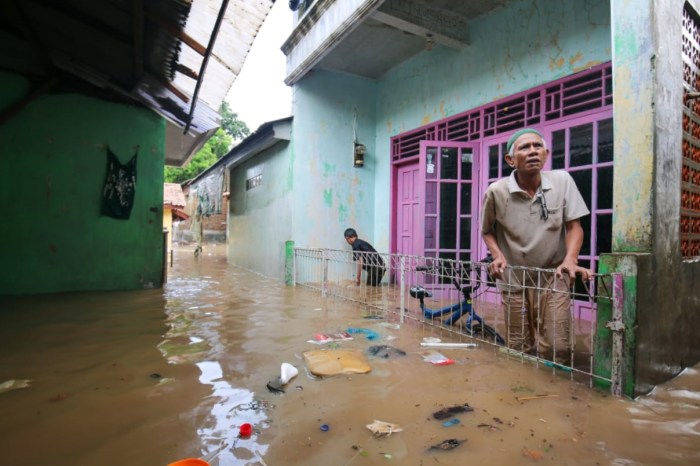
{"x":419,"y":292}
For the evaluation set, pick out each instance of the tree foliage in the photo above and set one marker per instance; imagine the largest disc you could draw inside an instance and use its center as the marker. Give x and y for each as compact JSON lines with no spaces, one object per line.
{"x":215,"y":148}
{"x":231,"y":124}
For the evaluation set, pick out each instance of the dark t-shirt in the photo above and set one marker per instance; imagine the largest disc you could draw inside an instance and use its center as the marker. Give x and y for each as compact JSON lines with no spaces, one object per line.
{"x":368,"y":260}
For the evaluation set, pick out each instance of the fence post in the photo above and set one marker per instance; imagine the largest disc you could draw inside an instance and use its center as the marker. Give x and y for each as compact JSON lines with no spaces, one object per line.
{"x":617,"y":326}
{"x":402,"y":281}
{"x":289,"y":263}
{"x":324,"y":272}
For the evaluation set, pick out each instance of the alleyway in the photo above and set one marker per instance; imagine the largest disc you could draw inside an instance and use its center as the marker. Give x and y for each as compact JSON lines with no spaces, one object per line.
{"x":145,"y":378}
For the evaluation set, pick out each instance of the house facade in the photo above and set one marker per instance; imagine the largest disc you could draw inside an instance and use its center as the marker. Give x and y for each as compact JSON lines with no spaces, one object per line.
{"x":434,"y":89}
{"x":95,"y":98}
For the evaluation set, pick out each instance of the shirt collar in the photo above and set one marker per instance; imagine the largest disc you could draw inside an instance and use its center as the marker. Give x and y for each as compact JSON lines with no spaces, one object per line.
{"x":513,"y":186}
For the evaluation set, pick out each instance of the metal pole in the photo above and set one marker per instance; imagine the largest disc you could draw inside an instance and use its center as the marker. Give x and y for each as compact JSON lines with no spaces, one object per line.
{"x":617,"y":327}
{"x":324,"y":273}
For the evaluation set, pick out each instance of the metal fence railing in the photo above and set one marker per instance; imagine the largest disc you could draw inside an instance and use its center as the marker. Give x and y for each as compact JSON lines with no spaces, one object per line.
{"x":460,"y":297}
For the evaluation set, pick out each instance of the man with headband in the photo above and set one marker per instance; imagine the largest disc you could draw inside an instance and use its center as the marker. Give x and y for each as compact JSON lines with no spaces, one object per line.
{"x":531,"y":219}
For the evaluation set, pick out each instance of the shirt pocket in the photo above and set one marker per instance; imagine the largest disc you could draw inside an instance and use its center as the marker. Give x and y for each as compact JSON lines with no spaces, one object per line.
{"x":555,"y":217}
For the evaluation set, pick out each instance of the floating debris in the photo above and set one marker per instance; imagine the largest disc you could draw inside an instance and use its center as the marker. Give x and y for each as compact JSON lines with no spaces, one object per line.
{"x":490,"y":426}
{"x":446,"y":413}
{"x":449,"y":444}
{"x":275,"y":385}
{"x":385,"y":351}
{"x":383,"y":429}
{"x":536,"y":397}
{"x":13,"y":385}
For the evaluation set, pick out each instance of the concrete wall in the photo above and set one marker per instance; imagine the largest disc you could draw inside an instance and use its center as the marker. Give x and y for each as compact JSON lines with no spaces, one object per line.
{"x":261,"y":219}
{"x":523,"y":45}
{"x":53,"y":170}
{"x":648,"y":95}
{"x":329,"y":193}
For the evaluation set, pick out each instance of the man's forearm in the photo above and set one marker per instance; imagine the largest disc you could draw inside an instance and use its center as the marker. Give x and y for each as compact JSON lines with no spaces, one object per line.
{"x":574,"y":240}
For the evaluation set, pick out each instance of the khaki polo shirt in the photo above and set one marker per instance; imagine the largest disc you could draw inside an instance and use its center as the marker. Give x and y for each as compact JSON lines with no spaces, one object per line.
{"x":515,"y":218}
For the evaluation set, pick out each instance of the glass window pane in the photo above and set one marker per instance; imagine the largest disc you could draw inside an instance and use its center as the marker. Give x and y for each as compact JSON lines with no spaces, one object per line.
{"x":448,"y":163}
{"x":603,"y":241}
{"x":465,"y":206}
{"x":467,"y":158}
{"x":605,"y":188}
{"x":431,"y":162}
{"x":448,"y":216}
{"x":430,"y":223}
{"x":605,"y":141}
{"x":447,"y":271}
{"x":465,"y":233}
{"x":581,"y":145}
{"x":430,"y":198}
{"x":586,"y":225}
{"x":558,"y":149}
{"x":505,"y":168}
{"x":583,"y":179}
{"x":493,"y":162}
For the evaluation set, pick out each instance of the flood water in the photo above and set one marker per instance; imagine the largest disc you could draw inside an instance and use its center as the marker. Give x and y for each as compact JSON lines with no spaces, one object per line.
{"x":148,"y":377}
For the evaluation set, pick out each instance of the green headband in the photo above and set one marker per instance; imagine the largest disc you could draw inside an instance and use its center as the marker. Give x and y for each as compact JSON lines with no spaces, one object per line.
{"x":519,"y":133}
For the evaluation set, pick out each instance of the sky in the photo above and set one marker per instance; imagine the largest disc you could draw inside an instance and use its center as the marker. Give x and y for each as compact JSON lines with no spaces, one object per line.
{"x":258,"y":94}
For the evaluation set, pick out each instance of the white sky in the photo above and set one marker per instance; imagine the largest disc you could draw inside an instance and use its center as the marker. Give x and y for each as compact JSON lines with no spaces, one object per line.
{"x":259,"y":94}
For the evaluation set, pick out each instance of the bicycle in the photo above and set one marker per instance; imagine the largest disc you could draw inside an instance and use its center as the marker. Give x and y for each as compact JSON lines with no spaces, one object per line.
{"x":474,"y":325}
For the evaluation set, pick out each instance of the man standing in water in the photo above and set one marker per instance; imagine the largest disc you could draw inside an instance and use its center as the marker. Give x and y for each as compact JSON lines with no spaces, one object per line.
{"x":367,"y":258}
{"x":531,"y":219}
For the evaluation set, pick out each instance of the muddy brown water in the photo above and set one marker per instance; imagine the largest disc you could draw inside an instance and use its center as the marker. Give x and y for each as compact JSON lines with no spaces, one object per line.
{"x":149,"y":377}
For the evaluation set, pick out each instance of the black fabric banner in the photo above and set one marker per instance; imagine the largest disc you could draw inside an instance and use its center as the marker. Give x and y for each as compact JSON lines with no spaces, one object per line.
{"x":120,"y":186}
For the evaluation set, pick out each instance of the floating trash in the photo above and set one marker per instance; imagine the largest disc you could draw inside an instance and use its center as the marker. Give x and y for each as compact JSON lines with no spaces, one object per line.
{"x":385,"y":351}
{"x":451,"y":422}
{"x":449,"y":444}
{"x":446,"y":413}
{"x":13,"y":385}
{"x":371,"y":334}
{"x":383,"y":429}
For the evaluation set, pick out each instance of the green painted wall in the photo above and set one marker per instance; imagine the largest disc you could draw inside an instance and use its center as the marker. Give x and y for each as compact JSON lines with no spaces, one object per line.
{"x":54,"y":162}
{"x":260,"y":219}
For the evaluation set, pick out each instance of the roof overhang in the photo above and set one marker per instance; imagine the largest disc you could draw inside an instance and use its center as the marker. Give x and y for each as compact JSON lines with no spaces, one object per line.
{"x":370,"y":37}
{"x":266,"y":136}
{"x":176,"y":57}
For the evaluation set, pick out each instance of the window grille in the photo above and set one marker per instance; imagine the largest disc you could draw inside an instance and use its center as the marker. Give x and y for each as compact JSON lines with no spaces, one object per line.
{"x":690,"y":181}
{"x":582,"y":92}
{"x":253,"y":182}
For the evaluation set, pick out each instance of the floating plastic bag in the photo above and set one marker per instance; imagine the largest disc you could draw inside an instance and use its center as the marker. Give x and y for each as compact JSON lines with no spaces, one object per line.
{"x":436,"y":358}
{"x":383,"y":429}
{"x":288,"y":372}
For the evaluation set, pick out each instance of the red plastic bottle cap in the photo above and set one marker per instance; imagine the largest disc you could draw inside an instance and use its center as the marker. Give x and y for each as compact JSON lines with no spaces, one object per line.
{"x":246,"y":430}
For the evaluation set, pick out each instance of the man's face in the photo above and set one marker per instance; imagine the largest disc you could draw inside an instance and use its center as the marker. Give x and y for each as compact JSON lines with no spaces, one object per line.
{"x":350,"y":239}
{"x":529,"y":154}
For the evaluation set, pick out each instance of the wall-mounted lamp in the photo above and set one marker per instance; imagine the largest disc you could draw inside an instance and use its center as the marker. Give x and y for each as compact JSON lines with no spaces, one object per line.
{"x":359,"y":159}
{"x":358,"y":155}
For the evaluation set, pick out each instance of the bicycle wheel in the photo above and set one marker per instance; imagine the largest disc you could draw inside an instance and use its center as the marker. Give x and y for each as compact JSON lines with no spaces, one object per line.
{"x":488,"y":333}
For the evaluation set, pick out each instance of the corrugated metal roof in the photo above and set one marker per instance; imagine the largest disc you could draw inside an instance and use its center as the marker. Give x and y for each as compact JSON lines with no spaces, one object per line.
{"x":147,"y":51}
{"x":239,"y":27}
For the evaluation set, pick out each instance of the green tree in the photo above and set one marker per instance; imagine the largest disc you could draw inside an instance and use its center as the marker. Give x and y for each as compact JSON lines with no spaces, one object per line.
{"x":230,"y":123}
{"x":216,"y":147}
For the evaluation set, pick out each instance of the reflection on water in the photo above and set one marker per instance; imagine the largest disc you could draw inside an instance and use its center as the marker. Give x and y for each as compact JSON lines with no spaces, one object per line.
{"x":149,"y":377}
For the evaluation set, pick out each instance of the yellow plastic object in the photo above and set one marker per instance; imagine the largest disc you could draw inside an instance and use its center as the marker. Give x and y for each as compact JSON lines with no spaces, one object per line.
{"x":334,"y":362}
{"x":190,"y":462}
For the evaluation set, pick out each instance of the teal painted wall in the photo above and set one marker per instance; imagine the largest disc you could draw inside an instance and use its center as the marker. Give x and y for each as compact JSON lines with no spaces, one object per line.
{"x":260,"y":219}
{"x":523,"y":45}
{"x":329,"y":193}
{"x":54,"y":162}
